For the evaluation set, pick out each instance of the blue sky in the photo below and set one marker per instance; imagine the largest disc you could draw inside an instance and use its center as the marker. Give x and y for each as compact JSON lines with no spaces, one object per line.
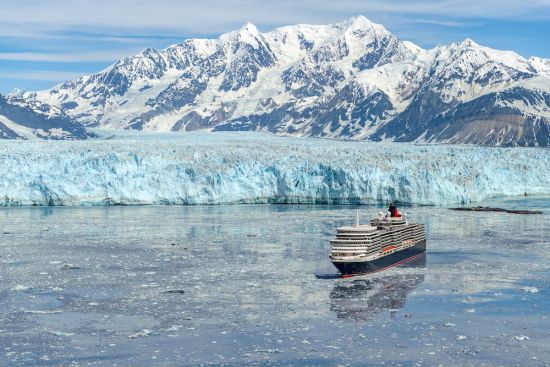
{"x":44,"y":42}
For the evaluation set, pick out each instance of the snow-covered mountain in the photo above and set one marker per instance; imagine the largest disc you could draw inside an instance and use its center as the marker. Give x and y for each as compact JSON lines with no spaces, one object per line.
{"x":23,"y":119}
{"x":351,"y":80}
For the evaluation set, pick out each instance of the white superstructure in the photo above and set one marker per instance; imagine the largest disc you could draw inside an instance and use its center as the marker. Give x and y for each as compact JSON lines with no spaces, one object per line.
{"x":383,"y":236}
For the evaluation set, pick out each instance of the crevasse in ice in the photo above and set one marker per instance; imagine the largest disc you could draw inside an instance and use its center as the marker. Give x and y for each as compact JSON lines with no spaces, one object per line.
{"x":218,"y":168}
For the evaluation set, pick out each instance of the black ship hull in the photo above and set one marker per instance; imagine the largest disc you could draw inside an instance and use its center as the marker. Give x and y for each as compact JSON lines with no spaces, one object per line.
{"x":348,"y":269}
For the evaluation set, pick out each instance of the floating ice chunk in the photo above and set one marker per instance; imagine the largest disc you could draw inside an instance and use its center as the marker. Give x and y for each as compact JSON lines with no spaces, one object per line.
{"x":19,"y":288}
{"x":69,"y":267}
{"x":59,"y":333}
{"x":448,"y":324}
{"x":268,"y":351}
{"x":530,"y":289}
{"x":142,"y":333}
{"x":43,"y":312}
{"x":174,"y":291}
{"x":174,"y":328}
{"x":521,"y":337}
{"x":461,"y":337}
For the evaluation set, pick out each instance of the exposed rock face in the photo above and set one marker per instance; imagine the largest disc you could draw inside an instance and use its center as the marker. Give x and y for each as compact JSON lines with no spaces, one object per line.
{"x":22,"y":120}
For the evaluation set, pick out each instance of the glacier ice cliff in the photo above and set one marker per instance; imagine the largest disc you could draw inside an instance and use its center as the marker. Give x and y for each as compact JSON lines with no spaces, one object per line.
{"x":223,"y":168}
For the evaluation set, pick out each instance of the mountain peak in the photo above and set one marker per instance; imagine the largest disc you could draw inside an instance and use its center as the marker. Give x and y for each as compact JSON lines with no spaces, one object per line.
{"x":147,"y":52}
{"x":359,"y":20}
{"x":248,"y":27}
{"x":248,"y":33}
{"x":361,"y":23}
{"x":16,"y":93}
{"x":469,"y":43}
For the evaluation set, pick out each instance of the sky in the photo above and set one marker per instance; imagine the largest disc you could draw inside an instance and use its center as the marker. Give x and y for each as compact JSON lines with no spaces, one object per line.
{"x":45,"y":42}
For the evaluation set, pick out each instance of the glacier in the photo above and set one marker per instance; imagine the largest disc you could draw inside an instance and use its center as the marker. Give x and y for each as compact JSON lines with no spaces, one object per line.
{"x":134,"y":168}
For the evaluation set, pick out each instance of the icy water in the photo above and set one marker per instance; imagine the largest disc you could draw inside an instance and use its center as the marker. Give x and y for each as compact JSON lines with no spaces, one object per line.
{"x":251,"y":285}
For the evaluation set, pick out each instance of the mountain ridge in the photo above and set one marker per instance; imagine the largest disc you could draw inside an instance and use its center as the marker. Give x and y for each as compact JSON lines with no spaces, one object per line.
{"x":349,"y":80}
{"x":21,"y":119}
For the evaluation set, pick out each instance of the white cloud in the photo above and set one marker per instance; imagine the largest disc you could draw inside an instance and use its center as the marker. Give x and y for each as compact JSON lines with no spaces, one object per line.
{"x":443,"y":23}
{"x":216,"y":16}
{"x":41,"y":75}
{"x":93,"y":56}
{"x":61,"y":27}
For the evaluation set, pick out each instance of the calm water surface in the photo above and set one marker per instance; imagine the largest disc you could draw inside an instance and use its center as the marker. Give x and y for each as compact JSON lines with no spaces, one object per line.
{"x":252,"y":285}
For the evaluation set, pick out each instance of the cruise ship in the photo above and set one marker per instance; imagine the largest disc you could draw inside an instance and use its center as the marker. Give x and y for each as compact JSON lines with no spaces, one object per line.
{"x":385,"y":242}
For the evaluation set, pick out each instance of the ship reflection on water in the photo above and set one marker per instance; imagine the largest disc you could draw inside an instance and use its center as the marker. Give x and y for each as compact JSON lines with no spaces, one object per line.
{"x":361,"y":299}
